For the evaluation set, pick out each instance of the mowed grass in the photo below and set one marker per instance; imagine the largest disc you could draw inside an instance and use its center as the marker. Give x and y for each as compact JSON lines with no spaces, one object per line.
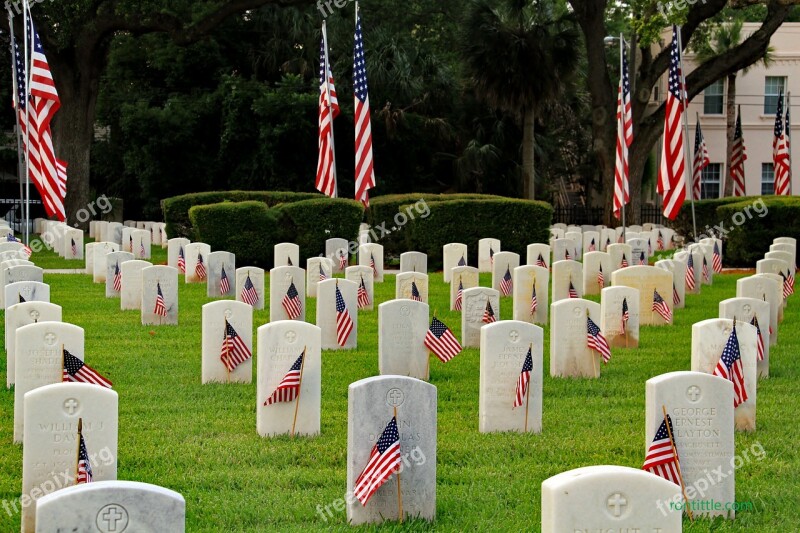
{"x":200,"y":440}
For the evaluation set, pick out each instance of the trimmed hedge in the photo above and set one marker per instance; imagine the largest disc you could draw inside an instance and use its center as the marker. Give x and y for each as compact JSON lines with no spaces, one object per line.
{"x":176,"y":208}
{"x":705,"y":214}
{"x":777,"y":216}
{"x":248,"y":229}
{"x":516,"y":223}
{"x":311,"y":222}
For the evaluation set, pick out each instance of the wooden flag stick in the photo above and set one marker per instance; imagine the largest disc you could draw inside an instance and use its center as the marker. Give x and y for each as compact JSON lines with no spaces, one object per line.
{"x":528,"y":392}
{"x":299,"y":384}
{"x":63,"y":366}
{"x":227,"y":353}
{"x":78,"y":452}
{"x":678,"y":462}
{"x":399,"y":493}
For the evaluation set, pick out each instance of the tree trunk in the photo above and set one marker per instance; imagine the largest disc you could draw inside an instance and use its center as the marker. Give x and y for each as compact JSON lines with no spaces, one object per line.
{"x":528,"y":175}
{"x":731,"y":129}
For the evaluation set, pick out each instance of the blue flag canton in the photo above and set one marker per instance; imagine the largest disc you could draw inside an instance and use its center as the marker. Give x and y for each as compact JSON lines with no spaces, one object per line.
{"x":593,"y":328}
{"x":322,"y":63}
{"x":359,"y":64}
{"x":698,"y":137}
{"x":248,"y":283}
{"x":21,"y":81}
{"x":389,"y":436}
{"x":663,"y":432}
{"x":779,"y":116}
{"x":674,"y":66}
{"x":507,"y":275}
{"x":292,"y":293}
{"x":340,"y":307}
{"x":657,"y":297}
{"x":527,"y":366}
{"x":731,"y":353}
{"x":626,"y":80}
{"x":437,"y":327}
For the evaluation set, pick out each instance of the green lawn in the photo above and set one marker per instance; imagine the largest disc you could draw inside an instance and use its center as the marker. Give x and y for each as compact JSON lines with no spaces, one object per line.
{"x":200,"y":440}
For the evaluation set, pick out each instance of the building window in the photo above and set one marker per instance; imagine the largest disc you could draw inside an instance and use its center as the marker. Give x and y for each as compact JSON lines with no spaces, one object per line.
{"x":767,"y":178}
{"x":709,"y":181}
{"x":773,"y":87}
{"x":656,"y":93}
{"x":712,"y":98}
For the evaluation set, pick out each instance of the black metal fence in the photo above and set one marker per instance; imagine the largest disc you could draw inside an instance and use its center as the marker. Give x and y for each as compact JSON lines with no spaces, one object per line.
{"x":578,"y":215}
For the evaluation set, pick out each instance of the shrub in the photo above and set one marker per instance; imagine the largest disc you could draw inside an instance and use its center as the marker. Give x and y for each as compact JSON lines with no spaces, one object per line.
{"x":705,"y":214}
{"x":749,"y":241}
{"x":248,"y":229}
{"x":310,"y":223}
{"x":516,"y":223}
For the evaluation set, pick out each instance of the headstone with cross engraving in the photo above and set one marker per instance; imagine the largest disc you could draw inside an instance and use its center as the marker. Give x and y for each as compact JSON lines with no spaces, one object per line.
{"x":286,"y":254}
{"x":504,"y":262}
{"x":609,"y":498}
{"x":373,"y":404}
{"x":14,"y":270}
{"x":131,"y":293}
{"x":371,"y":255}
{"x":282,"y":299}
{"x":338,"y":251}
{"x":50,"y":445}
{"x":174,"y":247}
{"x":19,"y":315}
{"x":112,"y":507}
{"x":510,"y":390}
{"x":464,"y":276}
{"x":251,"y":292}
{"x":576,"y":236}
{"x":474,"y":314}
{"x":563,"y":248}
{"x":414,"y":262}
{"x":159,"y":309}
{"x":114,"y":262}
{"x":706,"y":252}
{"x":787,"y":257}
{"x":407,"y":281}
{"x":38,"y":360}
{"x":453,"y":253}
{"x":25,"y":291}
{"x":525,"y":309}
{"x":678,"y":271}
{"x":355,"y":274}
{"x":227,"y":355}
{"x":593,"y":264}
{"x":197,"y":262}
{"x":780,"y":282}
{"x":534,"y":251}
{"x":700,"y":407}
{"x":317,"y":269}
{"x":648,"y":280}
{"x":746,"y":309}
{"x":640,"y":252}
{"x":100,"y":250}
{"x":486,"y":250}
{"x":764,"y":289}
{"x":709,"y":340}
{"x":785,"y":247}
{"x":565,"y":274}
{"x":620,"y":255}
{"x":402,"y":325}
{"x":618,"y":331}
{"x":332,"y":321}
{"x":219,"y":262}
{"x":570,"y":355}
{"x":280,"y":345}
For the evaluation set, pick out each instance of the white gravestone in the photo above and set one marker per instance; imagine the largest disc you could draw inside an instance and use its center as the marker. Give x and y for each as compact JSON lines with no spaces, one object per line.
{"x":217,"y":263}
{"x":620,"y":334}
{"x":525,"y":277}
{"x":452,"y":254}
{"x":317,"y":269}
{"x":709,"y":338}
{"x":372,"y":404}
{"x":402,"y":326}
{"x":563,"y":248}
{"x":101,"y":229}
{"x":700,"y":407}
{"x":327,"y":313}
{"x":25,"y":291}
{"x":618,"y":253}
{"x":112,"y":506}
{"x":465,"y":276}
{"x":335,"y":249}
{"x":196,"y":252}
{"x":286,"y":254}
{"x":576,"y":237}
{"x":706,"y":254}
{"x":73,"y":244}
{"x":787,"y":257}
{"x":473,"y":312}
{"x":355,"y":274}
{"x":280,"y":281}
{"x":486,"y":250}
{"x":142,"y":239}
{"x":405,"y":283}
{"x":131,"y":294}
{"x":100,"y":250}
{"x":114,"y":262}
{"x":607,"y":237}
{"x":89,"y":257}
{"x":414,"y":262}
{"x":174,"y":247}
{"x":114,"y":232}
{"x":254,"y":295}
{"x":570,"y":355}
{"x":767,"y":290}
{"x":746,"y":309}
{"x":593,"y":263}
{"x":216,"y":315}
{"x":566,"y":273}
{"x":647,"y":279}
{"x":503,"y":261}
{"x":14,"y":270}
{"x":165,"y":278}
{"x":50,"y":447}
{"x":19,"y":315}
{"x":639,"y":251}
{"x":534,"y":251}
{"x":504,"y":350}
{"x":280,"y":344}
{"x":591,"y":241}
{"x":678,"y":271}
{"x":785,"y":247}
{"x":608,"y":499}
{"x":369,"y":253}
{"x":696,"y":269}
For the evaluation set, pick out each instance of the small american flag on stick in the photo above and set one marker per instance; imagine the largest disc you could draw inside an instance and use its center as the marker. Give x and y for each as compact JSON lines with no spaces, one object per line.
{"x":441,"y":341}
{"x":234,"y":350}
{"x":384,"y":460}
{"x":524,"y":380}
{"x":363,"y":295}
{"x":730,"y":367}
{"x":289,"y":387}
{"x":117,"y":278}
{"x":249,"y":292}
{"x":459,"y":295}
{"x":224,"y":283}
{"x":84,"y":468}
{"x":661,"y":459}
{"x":507,"y":284}
{"x":760,"y":339}
{"x":160,"y":308}
{"x":291,"y":302}
{"x":488,"y":313}
{"x":77,"y":371}
{"x":596,"y":341}
{"x":661,"y":307}
{"x":200,"y":268}
{"x":181,"y":261}
{"x":344,"y":324}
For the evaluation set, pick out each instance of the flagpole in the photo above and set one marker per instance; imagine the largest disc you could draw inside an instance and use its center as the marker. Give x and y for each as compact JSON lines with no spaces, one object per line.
{"x":684,"y":109}
{"x":622,"y":117}
{"x":25,"y":20}
{"x":78,"y":453}
{"x":299,"y":385}
{"x":328,"y":103}
{"x":15,"y":81}
{"x":399,"y":492}
{"x":528,"y":392}
{"x":787,"y":128}
{"x":677,"y":461}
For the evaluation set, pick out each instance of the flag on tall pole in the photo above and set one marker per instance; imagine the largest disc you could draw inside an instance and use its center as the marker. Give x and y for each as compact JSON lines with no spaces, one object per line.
{"x":780,"y":152}
{"x":624,"y":136}
{"x":671,"y":174}
{"x":328,"y":110}
{"x":364,"y":170}
{"x":701,"y":159}
{"x":738,"y":157}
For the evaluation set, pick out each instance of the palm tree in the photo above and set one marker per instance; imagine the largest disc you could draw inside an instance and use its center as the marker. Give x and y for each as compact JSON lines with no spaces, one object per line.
{"x":725,"y":38}
{"x":520,"y":55}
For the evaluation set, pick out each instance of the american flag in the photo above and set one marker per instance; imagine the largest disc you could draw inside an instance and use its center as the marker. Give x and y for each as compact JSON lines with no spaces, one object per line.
{"x":760,"y":338}
{"x":705,"y":268}
{"x":462,"y":262}
{"x":780,"y":153}
{"x":738,"y":157}
{"x":540,"y":261}
{"x":328,"y":110}
{"x":181,"y":261}
{"x":344,"y":324}
{"x":249,"y":292}
{"x":141,"y":247}
{"x":342,"y":261}
{"x":415,"y":292}
{"x":322,"y":275}
{"x":363,"y":295}
{"x":117,"y":278}
{"x":534,"y":301}
{"x":488,"y":313}
{"x":671,"y":178}
{"x":701,"y":160}
{"x":608,"y":241}
{"x":130,"y":243}
{"x":364,"y":171}
{"x":676,"y":298}
{"x":567,"y":255}
{"x":491,"y":255}
{"x":84,"y":470}
{"x":592,"y":246}
{"x":649,"y":246}
{"x":234,"y":351}
{"x":661,"y":307}
{"x":224,"y":283}
{"x":524,"y":380}
{"x":642,"y":258}
{"x":384,"y":460}
{"x":716,"y":261}
{"x":77,"y":371}
{"x":21,"y":298}
{"x":25,"y":247}
{"x":788,"y":290}
{"x":506,"y":284}
{"x":372,"y":265}
{"x":730,"y":367}
{"x":441,"y":341}
{"x":74,"y":248}
{"x":291,"y":302}
{"x":459,"y":296}
{"x":289,"y":387}
{"x":572,"y":292}
{"x":624,"y":137}
{"x":625,"y":314}
{"x":289,"y":261}
{"x":200,"y":268}
{"x":690,"y":273}
{"x":660,"y":241}
{"x":601,"y":279}
{"x":596,"y":341}
{"x":624,"y":262}
{"x":661,"y":459}
{"x":160,"y":307}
